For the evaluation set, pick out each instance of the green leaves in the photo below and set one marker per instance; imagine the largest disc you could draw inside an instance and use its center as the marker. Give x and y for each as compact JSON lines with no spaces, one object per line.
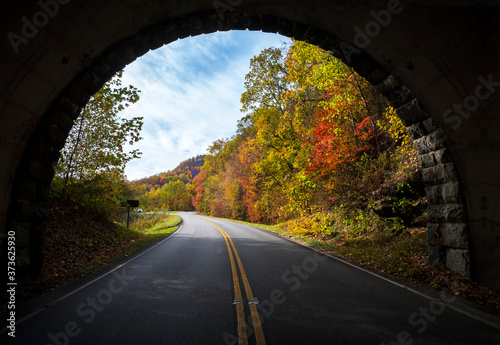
{"x":92,"y":163}
{"x":96,"y":143}
{"x":266,"y":81}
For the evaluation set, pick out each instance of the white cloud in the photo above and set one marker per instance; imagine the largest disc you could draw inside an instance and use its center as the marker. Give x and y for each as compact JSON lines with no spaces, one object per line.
{"x":190,"y":95}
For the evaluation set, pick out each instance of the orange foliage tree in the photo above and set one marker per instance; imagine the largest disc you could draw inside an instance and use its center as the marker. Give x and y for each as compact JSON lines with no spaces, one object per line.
{"x":313,"y":132}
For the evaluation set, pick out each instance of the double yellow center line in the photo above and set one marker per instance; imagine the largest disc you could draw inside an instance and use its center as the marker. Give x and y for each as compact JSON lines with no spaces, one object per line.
{"x":238,"y":300}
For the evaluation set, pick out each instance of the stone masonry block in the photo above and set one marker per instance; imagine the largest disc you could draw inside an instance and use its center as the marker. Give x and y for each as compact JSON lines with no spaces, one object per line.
{"x":417,"y":131}
{"x":343,"y":51}
{"x":435,"y":158}
{"x":412,"y":113}
{"x":440,"y":174}
{"x":458,"y":260}
{"x":433,"y":234}
{"x":429,"y":143}
{"x":450,"y":213}
{"x":429,"y":125}
{"x":422,"y":129}
{"x":448,"y":193}
{"x":236,"y":21}
{"x":454,"y":235}
{"x":63,"y":120}
{"x":448,"y":235}
{"x":57,"y":135}
{"x":184,"y":27}
{"x":437,"y":256}
{"x":443,"y":156}
{"x":427,"y":160}
{"x":388,"y":86}
{"x":377,"y":76}
{"x":103,"y":69}
{"x":124,"y":54}
{"x":89,"y":82}
{"x":71,"y":109}
{"x":78,"y":95}
{"x":401,"y":97}
{"x":433,"y":195}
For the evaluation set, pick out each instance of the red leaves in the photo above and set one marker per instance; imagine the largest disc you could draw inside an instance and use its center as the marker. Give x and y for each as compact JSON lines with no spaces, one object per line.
{"x":363,"y":125}
{"x":330,"y":150}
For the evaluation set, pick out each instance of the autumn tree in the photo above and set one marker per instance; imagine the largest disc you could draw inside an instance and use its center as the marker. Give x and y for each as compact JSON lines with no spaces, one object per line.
{"x":314,"y":135}
{"x":96,"y":143}
{"x":92,"y":162}
{"x":279,"y":121}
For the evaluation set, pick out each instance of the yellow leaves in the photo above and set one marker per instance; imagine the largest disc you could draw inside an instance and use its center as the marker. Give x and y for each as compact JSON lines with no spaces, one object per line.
{"x":312,"y":137}
{"x":314,"y":224}
{"x":338,"y":131}
{"x":391,"y":124}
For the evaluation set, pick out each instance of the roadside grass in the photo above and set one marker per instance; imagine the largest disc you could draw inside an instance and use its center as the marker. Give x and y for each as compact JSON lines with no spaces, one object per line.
{"x":401,"y":257}
{"x":77,"y":242}
{"x":152,"y":227}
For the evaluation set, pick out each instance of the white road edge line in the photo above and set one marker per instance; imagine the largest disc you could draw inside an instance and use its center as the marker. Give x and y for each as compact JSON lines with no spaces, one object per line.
{"x":90,"y":283}
{"x":495,"y":325}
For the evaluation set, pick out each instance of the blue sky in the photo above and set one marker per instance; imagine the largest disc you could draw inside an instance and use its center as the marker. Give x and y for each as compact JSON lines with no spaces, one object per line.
{"x":190,"y":95}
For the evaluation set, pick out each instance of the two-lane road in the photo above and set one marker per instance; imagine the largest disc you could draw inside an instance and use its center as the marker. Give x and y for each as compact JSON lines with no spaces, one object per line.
{"x":218,"y":282}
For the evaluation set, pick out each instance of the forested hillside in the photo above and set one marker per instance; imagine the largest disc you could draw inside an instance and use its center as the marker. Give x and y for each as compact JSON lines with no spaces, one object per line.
{"x":168,"y":190}
{"x":318,"y":150}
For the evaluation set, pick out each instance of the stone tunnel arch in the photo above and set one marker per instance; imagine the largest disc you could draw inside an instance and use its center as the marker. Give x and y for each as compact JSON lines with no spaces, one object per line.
{"x":53,"y":104}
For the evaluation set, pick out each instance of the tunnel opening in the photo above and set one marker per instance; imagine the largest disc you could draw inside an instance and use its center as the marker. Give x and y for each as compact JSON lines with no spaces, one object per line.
{"x":30,"y":186}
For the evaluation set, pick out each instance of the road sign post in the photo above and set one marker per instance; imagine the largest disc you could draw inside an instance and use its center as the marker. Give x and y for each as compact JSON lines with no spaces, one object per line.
{"x":131,"y":203}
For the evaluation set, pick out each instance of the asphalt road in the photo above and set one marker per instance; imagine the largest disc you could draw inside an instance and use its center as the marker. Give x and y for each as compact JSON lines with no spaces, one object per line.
{"x":195,"y":288}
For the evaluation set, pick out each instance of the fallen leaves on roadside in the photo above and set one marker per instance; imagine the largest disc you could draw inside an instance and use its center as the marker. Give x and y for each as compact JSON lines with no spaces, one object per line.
{"x":76,"y":242}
